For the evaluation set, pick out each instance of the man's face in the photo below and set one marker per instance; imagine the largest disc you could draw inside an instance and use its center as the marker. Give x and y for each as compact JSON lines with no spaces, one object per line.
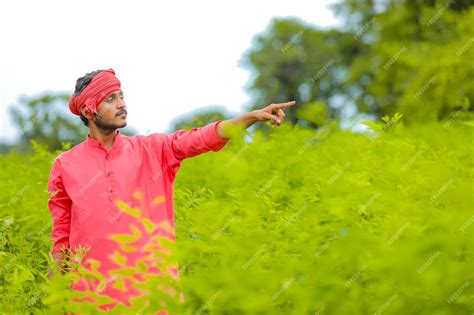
{"x":111,"y":112}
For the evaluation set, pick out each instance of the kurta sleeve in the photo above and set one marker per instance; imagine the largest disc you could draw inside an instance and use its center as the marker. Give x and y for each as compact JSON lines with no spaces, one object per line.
{"x":59,"y":205}
{"x":183,"y":144}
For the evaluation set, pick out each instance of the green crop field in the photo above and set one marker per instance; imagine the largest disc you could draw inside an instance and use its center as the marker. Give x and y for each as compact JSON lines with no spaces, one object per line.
{"x":300,"y":222}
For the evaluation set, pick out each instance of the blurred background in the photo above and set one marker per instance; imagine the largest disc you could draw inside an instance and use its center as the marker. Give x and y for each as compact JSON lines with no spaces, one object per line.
{"x":185,"y":65}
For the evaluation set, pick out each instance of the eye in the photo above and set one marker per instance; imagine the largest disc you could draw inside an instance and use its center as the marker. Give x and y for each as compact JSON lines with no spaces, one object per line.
{"x":109,"y":100}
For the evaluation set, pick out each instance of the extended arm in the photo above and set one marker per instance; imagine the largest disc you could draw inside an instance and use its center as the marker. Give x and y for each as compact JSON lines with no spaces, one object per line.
{"x":183,"y":144}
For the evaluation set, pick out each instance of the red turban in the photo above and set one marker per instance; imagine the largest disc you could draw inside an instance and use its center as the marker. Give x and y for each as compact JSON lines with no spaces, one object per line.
{"x":102,"y":84}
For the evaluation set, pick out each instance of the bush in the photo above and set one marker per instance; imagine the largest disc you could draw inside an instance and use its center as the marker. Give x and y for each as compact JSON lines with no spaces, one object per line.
{"x":301,"y":222}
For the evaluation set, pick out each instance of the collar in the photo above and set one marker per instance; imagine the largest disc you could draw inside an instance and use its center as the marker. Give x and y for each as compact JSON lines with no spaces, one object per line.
{"x":118,"y":139}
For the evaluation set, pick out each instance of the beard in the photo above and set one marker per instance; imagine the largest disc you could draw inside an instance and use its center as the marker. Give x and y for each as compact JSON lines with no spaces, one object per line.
{"x":105,"y":125}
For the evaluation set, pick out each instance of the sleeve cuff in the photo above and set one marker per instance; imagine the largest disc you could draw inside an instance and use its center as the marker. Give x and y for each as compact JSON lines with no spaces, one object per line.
{"x":211,"y":138}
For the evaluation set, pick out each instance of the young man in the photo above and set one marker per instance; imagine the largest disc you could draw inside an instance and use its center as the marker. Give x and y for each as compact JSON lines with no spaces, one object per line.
{"x":87,"y":180}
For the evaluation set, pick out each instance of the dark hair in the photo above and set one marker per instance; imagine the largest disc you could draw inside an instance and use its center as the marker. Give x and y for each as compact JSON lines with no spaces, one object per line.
{"x":81,"y":84}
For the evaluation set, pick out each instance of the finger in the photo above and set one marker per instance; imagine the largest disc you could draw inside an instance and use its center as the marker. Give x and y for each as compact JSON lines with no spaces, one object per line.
{"x":281,"y":114}
{"x":268,"y":116}
{"x":283,"y":105}
{"x":279,"y":120}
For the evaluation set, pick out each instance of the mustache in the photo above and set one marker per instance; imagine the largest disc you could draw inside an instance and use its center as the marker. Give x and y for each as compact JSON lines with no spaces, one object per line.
{"x":121,"y":112}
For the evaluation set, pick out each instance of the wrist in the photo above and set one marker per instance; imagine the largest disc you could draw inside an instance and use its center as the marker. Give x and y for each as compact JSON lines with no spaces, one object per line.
{"x":253,"y":117}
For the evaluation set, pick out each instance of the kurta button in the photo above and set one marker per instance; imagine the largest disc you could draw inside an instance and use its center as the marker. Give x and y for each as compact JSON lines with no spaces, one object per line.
{"x":108,"y":173}
{"x":106,"y":157}
{"x":110,"y":190}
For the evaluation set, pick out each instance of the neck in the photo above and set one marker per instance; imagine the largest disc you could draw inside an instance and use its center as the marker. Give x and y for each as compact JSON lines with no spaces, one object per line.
{"x":105,"y":136}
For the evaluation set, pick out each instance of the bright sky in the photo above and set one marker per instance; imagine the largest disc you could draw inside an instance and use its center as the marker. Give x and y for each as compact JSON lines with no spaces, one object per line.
{"x":171,"y":57}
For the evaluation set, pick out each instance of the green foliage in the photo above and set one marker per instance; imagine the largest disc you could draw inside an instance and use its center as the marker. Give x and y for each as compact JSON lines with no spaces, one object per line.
{"x":297,"y":223}
{"x":292,"y":60}
{"x":417,"y":60}
{"x":386,"y":124}
{"x":412,"y":57}
{"x":315,"y":113}
{"x":46,"y":120}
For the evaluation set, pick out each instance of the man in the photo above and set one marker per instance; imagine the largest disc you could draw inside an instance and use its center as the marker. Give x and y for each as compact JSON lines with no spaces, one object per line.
{"x":87,"y":181}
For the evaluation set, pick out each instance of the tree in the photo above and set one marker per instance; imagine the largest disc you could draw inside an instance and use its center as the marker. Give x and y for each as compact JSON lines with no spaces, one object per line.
{"x":411,"y":57}
{"x":294,"y":61}
{"x":418,"y":59}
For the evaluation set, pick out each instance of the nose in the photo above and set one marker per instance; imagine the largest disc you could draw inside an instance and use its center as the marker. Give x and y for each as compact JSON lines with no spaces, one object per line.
{"x":121,"y":103}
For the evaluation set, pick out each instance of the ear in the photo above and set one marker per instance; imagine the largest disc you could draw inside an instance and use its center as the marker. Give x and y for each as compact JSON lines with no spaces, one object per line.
{"x":86,"y":113}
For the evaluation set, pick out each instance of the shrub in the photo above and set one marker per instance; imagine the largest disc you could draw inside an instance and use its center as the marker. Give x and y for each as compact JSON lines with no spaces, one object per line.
{"x":300,"y":222}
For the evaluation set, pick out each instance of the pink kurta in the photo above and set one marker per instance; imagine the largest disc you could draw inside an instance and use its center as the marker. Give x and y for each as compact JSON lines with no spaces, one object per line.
{"x":86,"y":180}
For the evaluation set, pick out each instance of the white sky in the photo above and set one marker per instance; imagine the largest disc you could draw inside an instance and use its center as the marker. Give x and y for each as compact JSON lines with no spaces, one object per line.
{"x":171,"y":57}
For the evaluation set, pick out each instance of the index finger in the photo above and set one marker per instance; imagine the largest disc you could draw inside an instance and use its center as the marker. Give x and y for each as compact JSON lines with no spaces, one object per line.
{"x":283,"y":105}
